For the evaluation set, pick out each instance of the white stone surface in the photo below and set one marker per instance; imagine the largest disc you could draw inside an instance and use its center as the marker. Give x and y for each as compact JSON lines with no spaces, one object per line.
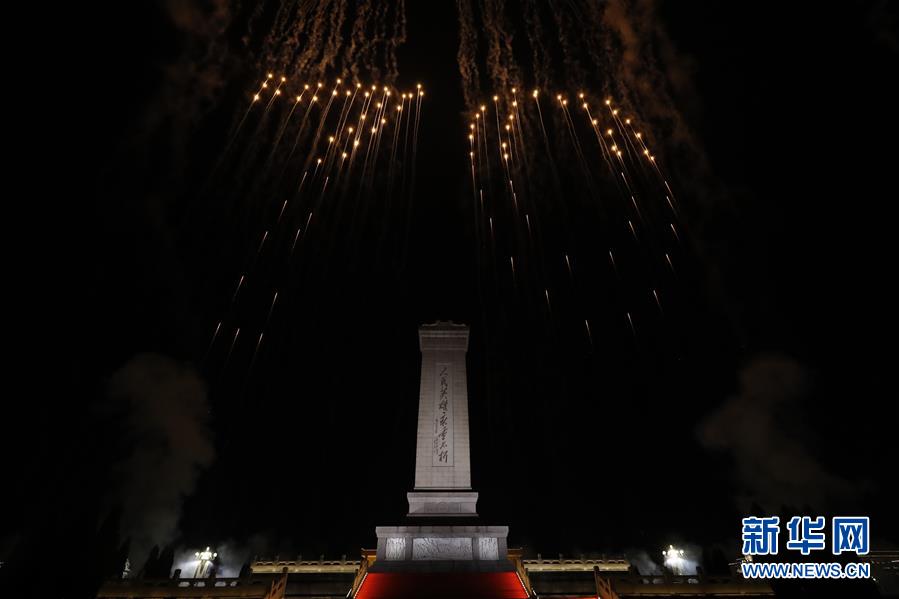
{"x":488,"y":548}
{"x":441,"y":548}
{"x":396,"y":548}
{"x":484,"y":543}
{"x":442,"y":503}
{"x":443,"y":349}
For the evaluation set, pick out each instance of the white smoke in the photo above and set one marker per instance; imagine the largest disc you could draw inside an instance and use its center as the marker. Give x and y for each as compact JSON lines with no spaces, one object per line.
{"x":761,"y":428}
{"x":644,"y":564}
{"x":687,"y":559}
{"x":232,"y":556}
{"x":654,"y":563}
{"x":163,"y":410}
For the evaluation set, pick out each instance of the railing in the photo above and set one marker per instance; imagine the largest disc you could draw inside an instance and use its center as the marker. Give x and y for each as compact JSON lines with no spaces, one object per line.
{"x":360,"y":578}
{"x":575,"y":565}
{"x":297,"y":566}
{"x":604,"y":588}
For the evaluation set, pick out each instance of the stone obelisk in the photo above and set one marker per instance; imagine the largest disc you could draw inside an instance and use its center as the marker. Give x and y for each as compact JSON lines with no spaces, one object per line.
{"x":442,"y":459}
{"x":443,"y":532}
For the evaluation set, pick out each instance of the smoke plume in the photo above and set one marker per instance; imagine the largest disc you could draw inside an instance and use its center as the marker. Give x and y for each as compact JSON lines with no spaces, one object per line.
{"x":685,"y":565}
{"x":233,"y":555}
{"x":644,"y":564}
{"x":162,"y":409}
{"x":761,"y":429}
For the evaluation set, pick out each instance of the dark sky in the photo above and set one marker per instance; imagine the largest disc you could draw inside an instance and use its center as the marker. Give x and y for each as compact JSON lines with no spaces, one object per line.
{"x":578,"y":450}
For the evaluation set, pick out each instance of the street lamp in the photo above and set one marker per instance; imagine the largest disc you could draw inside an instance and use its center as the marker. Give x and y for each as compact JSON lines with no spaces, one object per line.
{"x":204,"y":561}
{"x":674,"y":559}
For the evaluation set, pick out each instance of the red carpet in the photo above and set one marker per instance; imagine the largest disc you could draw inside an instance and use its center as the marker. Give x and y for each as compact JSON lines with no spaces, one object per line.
{"x":442,"y":585}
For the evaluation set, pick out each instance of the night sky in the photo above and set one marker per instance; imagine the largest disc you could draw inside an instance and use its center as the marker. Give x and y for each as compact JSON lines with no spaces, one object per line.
{"x":784,"y":306}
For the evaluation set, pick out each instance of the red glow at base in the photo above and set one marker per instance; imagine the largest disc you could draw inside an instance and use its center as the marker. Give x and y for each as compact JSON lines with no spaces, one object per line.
{"x":442,"y":585}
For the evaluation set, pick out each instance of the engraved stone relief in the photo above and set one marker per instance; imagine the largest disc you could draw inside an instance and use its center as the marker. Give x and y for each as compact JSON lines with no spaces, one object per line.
{"x":396,"y":548}
{"x":441,"y":549}
{"x":442,"y":449}
{"x":487,"y":548}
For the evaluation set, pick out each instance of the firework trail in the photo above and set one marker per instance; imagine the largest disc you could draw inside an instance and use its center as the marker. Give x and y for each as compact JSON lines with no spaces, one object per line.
{"x":567,"y":27}
{"x":541,"y":170}
{"x":398,"y":37}
{"x":565,"y":182}
{"x":601,"y":170}
{"x":352,"y":152}
{"x":539,"y":55}
{"x":504,"y":70}
{"x":467,"y":55}
{"x":321,"y":37}
{"x":357,"y":51}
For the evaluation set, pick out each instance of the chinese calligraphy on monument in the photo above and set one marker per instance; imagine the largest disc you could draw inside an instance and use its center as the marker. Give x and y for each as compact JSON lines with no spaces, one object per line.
{"x":443,"y":417}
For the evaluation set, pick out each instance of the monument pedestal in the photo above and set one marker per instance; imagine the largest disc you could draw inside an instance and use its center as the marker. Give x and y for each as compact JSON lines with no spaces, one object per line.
{"x":442,"y":503}
{"x":440,"y":548}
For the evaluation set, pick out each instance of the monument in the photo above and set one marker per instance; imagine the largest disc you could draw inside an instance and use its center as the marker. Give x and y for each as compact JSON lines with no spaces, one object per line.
{"x":442,"y":550}
{"x":442,"y":530}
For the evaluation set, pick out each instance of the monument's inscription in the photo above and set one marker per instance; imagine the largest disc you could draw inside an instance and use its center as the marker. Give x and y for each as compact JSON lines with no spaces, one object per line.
{"x":443,"y":417}
{"x":441,"y":548}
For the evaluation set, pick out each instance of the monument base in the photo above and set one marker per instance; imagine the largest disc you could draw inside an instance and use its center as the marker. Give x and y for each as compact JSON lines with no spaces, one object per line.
{"x":443,"y":566}
{"x":442,"y":503}
{"x":442,"y":548}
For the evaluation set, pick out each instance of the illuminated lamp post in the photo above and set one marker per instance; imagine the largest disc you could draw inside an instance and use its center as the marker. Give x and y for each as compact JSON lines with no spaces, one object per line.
{"x":204,"y":561}
{"x":674,"y":559}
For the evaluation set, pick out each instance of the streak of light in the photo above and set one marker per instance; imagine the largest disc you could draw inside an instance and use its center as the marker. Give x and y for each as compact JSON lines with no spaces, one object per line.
{"x":231,"y":348}
{"x":215,"y":335}
{"x":655,"y":294}
{"x":237,"y":290}
{"x":674,"y":230}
